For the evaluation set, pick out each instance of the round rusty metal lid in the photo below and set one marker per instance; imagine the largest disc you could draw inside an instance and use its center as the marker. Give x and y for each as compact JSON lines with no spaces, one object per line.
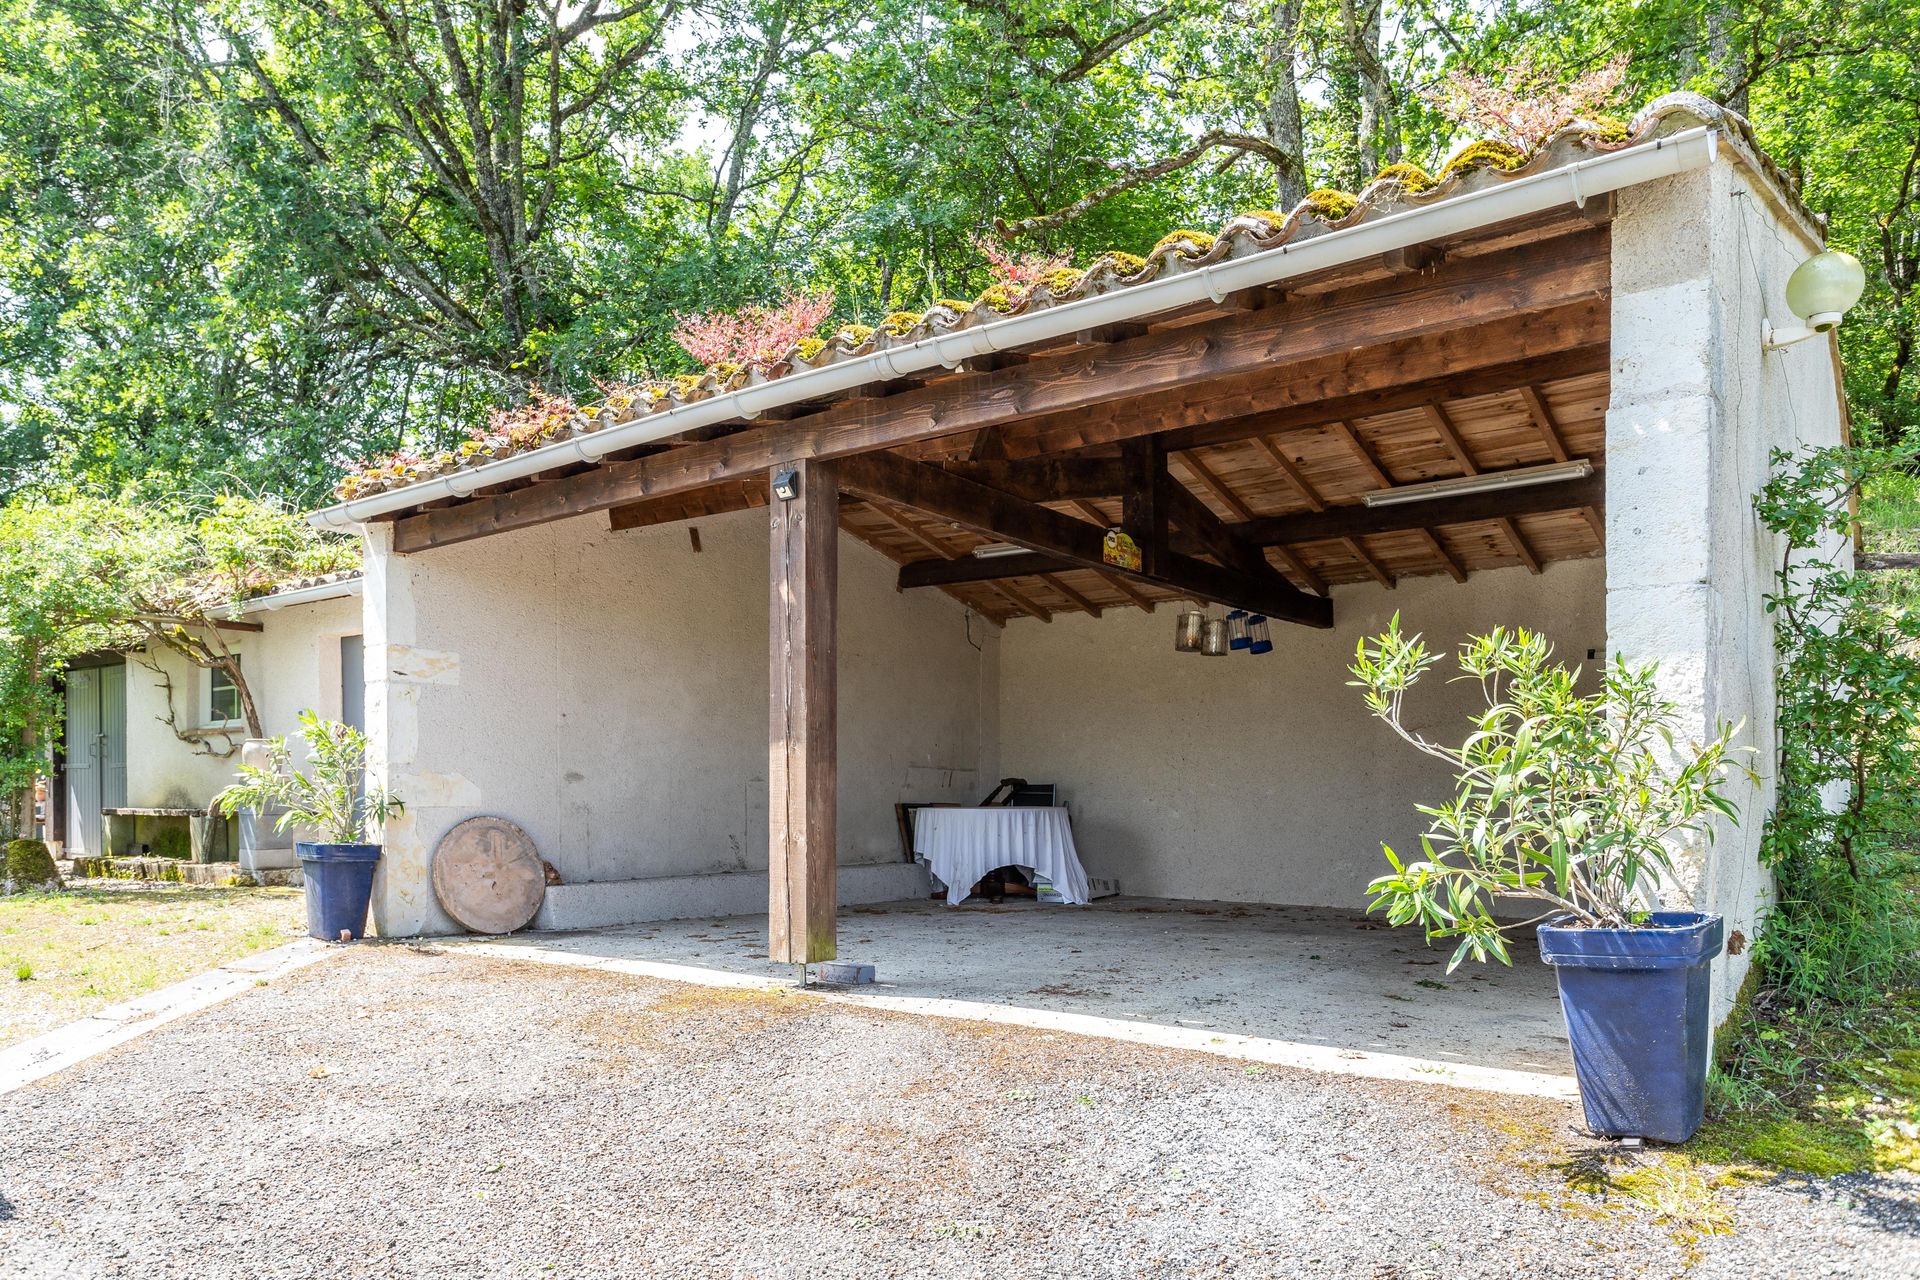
{"x":488,"y":876}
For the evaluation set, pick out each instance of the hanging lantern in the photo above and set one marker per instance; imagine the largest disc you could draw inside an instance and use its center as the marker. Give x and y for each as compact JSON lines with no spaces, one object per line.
{"x":1189,"y":629}
{"x":1237,"y":629}
{"x":1215,"y":643}
{"x":1258,"y":639}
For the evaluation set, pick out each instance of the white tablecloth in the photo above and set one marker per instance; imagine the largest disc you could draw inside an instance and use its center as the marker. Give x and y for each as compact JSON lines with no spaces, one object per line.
{"x":961,"y":845}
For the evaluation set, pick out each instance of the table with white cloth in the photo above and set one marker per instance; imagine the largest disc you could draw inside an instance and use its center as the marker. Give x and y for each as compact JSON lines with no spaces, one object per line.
{"x":962,"y":845}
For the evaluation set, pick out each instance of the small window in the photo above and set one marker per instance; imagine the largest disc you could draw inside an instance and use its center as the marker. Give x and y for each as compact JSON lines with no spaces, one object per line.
{"x":223,"y":697}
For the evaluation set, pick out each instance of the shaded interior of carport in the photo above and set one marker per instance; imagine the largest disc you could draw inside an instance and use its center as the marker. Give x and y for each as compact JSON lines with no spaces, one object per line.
{"x":1233,"y":441}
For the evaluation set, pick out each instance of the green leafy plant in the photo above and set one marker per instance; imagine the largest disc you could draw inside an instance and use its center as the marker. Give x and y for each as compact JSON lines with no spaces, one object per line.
{"x":1841,"y":840}
{"x":328,"y":798}
{"x":1568,"y":800}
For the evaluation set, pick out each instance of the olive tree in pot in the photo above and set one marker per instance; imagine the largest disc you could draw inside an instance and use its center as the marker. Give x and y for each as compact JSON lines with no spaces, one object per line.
{"x":1571,"y":803}
{"x":337,"y":869}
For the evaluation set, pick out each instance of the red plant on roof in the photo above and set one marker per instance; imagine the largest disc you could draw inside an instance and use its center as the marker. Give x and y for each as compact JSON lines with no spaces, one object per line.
{"x":533,"y":422}
{"x":753,"y":334}
{"x":1529,"y":102}
{"x":1021,"y":272}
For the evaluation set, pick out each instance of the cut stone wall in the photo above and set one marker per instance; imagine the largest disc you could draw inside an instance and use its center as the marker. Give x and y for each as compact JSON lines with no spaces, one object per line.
{"x":1696,"y":407}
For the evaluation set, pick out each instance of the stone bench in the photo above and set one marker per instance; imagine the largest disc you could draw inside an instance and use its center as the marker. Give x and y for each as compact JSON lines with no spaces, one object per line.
{"x":168,"y":832}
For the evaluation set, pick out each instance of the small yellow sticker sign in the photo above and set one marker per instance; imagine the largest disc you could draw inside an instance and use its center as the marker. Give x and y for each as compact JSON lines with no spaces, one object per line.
{"x":1119,"y":550}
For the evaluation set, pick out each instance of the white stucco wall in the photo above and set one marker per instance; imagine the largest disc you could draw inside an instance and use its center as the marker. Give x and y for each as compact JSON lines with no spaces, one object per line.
{"x":1696,"y":405}
{"x":1257,"y":779}
{"x":608,"y":693}
{"x":292,"y":664}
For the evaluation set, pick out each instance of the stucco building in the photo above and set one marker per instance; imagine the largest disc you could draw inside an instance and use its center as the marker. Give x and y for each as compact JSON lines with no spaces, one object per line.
{"x":1533,"y":393}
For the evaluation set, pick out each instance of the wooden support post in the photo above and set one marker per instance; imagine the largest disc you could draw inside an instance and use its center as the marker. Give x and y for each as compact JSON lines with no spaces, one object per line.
{"x":1145,"y":505}
{"x":802,"y":748}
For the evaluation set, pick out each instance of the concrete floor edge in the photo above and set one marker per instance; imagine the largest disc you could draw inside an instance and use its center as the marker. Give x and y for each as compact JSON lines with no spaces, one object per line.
{"x":1363,"y":1064}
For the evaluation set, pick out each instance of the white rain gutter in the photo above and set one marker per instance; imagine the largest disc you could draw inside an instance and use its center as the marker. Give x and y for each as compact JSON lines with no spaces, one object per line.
{"x":1574,"y":184}
{"x":336,"y":590}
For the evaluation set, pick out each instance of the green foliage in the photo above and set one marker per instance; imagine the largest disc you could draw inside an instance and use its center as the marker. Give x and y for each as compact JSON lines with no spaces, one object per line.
{"x":245,"y":244}
{"x":29,"y":866}
{"x":80,"y":572}
{"x":1842,"y":838}
{"x":1571,"y":801}
{"x":329,"y":798}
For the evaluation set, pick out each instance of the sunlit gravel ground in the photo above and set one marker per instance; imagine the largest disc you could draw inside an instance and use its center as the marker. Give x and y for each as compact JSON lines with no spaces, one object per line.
{"x":397,"y":1111}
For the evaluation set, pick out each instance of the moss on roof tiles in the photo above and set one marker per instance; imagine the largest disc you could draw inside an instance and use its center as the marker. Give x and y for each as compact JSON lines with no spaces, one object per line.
{"x":532,"y":426}
{"x":1410,"y":177}
{"x":1329,"y":205}
{"x":1192,"y":243}
{"x":1490,"y":153}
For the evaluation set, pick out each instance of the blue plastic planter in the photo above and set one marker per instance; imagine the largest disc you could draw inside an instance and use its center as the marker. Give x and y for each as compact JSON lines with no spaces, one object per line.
{"x":1637,"y":1016}
{"x":339,"y":883}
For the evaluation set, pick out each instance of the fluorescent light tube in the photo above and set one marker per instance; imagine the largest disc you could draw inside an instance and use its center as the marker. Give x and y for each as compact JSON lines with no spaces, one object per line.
{"x":988,"y":550}
{"x":1486,"y":482}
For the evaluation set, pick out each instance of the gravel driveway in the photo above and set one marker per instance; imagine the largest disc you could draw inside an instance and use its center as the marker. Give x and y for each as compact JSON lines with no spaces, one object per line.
{"x":399,"y":1111}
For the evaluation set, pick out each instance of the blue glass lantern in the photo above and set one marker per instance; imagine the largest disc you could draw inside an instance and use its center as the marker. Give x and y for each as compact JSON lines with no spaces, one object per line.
{"x":1237,"y":637}
{"x":1258,"y":639}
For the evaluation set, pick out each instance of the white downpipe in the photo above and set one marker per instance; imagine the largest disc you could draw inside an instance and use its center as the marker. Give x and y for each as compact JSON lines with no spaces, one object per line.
{"x":1574,"y":183}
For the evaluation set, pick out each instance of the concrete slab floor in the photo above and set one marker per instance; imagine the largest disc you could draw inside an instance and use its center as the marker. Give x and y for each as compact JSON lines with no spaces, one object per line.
{"x":1305,"y":974}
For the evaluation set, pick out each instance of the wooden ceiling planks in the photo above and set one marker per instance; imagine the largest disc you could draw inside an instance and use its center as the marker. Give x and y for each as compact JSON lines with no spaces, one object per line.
{"x":1295,"y":471}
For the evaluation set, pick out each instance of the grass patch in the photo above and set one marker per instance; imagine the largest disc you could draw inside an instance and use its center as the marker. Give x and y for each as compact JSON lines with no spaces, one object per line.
{"x":1890,"y":512}
{"x":1820,"y":1092}
{"x":76,"y":952}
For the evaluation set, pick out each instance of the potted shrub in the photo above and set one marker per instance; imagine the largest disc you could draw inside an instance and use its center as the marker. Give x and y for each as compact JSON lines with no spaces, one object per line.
{"x":338,"y":868}
{"x":1570,"y":802}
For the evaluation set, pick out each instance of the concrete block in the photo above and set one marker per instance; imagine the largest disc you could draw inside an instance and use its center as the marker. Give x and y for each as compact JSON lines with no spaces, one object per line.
{"x":844,"y":973}
{"x":1663,"y":340}
{"x":1663,"y":231}
{"x":1660,"y":491}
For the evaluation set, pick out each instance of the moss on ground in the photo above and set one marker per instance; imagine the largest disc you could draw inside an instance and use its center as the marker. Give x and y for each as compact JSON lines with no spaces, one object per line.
{"x":29,"y":865}
{"x":1819,"y":1094}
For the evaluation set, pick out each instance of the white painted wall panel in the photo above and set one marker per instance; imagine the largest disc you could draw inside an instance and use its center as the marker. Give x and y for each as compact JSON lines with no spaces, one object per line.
{"x":1256,"y":779}
{"x":608,"y":692}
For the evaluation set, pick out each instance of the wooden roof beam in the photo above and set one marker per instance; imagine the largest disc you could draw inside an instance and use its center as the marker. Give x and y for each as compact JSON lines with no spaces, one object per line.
{"x":1544,"y":298}
{"x":1335,"y":524}
{"x":1075,"y":542}
{"x":1241,"y":512}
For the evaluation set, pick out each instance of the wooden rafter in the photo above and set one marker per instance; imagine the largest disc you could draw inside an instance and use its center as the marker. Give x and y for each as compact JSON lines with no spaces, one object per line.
{"x":1518,"y":541}
{"x":1374,"y":568}
{"x":1543,"y":422}
{"x":1026,"y":604}
{"x":928,"y":539}
{"x":1071,"y":541}
{"x":1381,"y":480}
{"x":1080,"y":601}
{"x":1331,"y":524}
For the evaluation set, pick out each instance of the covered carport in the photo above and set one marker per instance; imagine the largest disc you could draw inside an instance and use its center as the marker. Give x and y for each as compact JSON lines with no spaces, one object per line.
{"x":1532,"y":396}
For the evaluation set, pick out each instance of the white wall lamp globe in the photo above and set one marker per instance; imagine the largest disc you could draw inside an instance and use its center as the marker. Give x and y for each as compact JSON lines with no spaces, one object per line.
{"x":1820,"y":291}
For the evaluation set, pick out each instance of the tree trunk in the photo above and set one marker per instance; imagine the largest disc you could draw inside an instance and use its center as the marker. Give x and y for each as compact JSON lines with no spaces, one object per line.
{"x":1378,"y":135}
{"x":1283,"y":125}
{"x":1729,"y":56}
